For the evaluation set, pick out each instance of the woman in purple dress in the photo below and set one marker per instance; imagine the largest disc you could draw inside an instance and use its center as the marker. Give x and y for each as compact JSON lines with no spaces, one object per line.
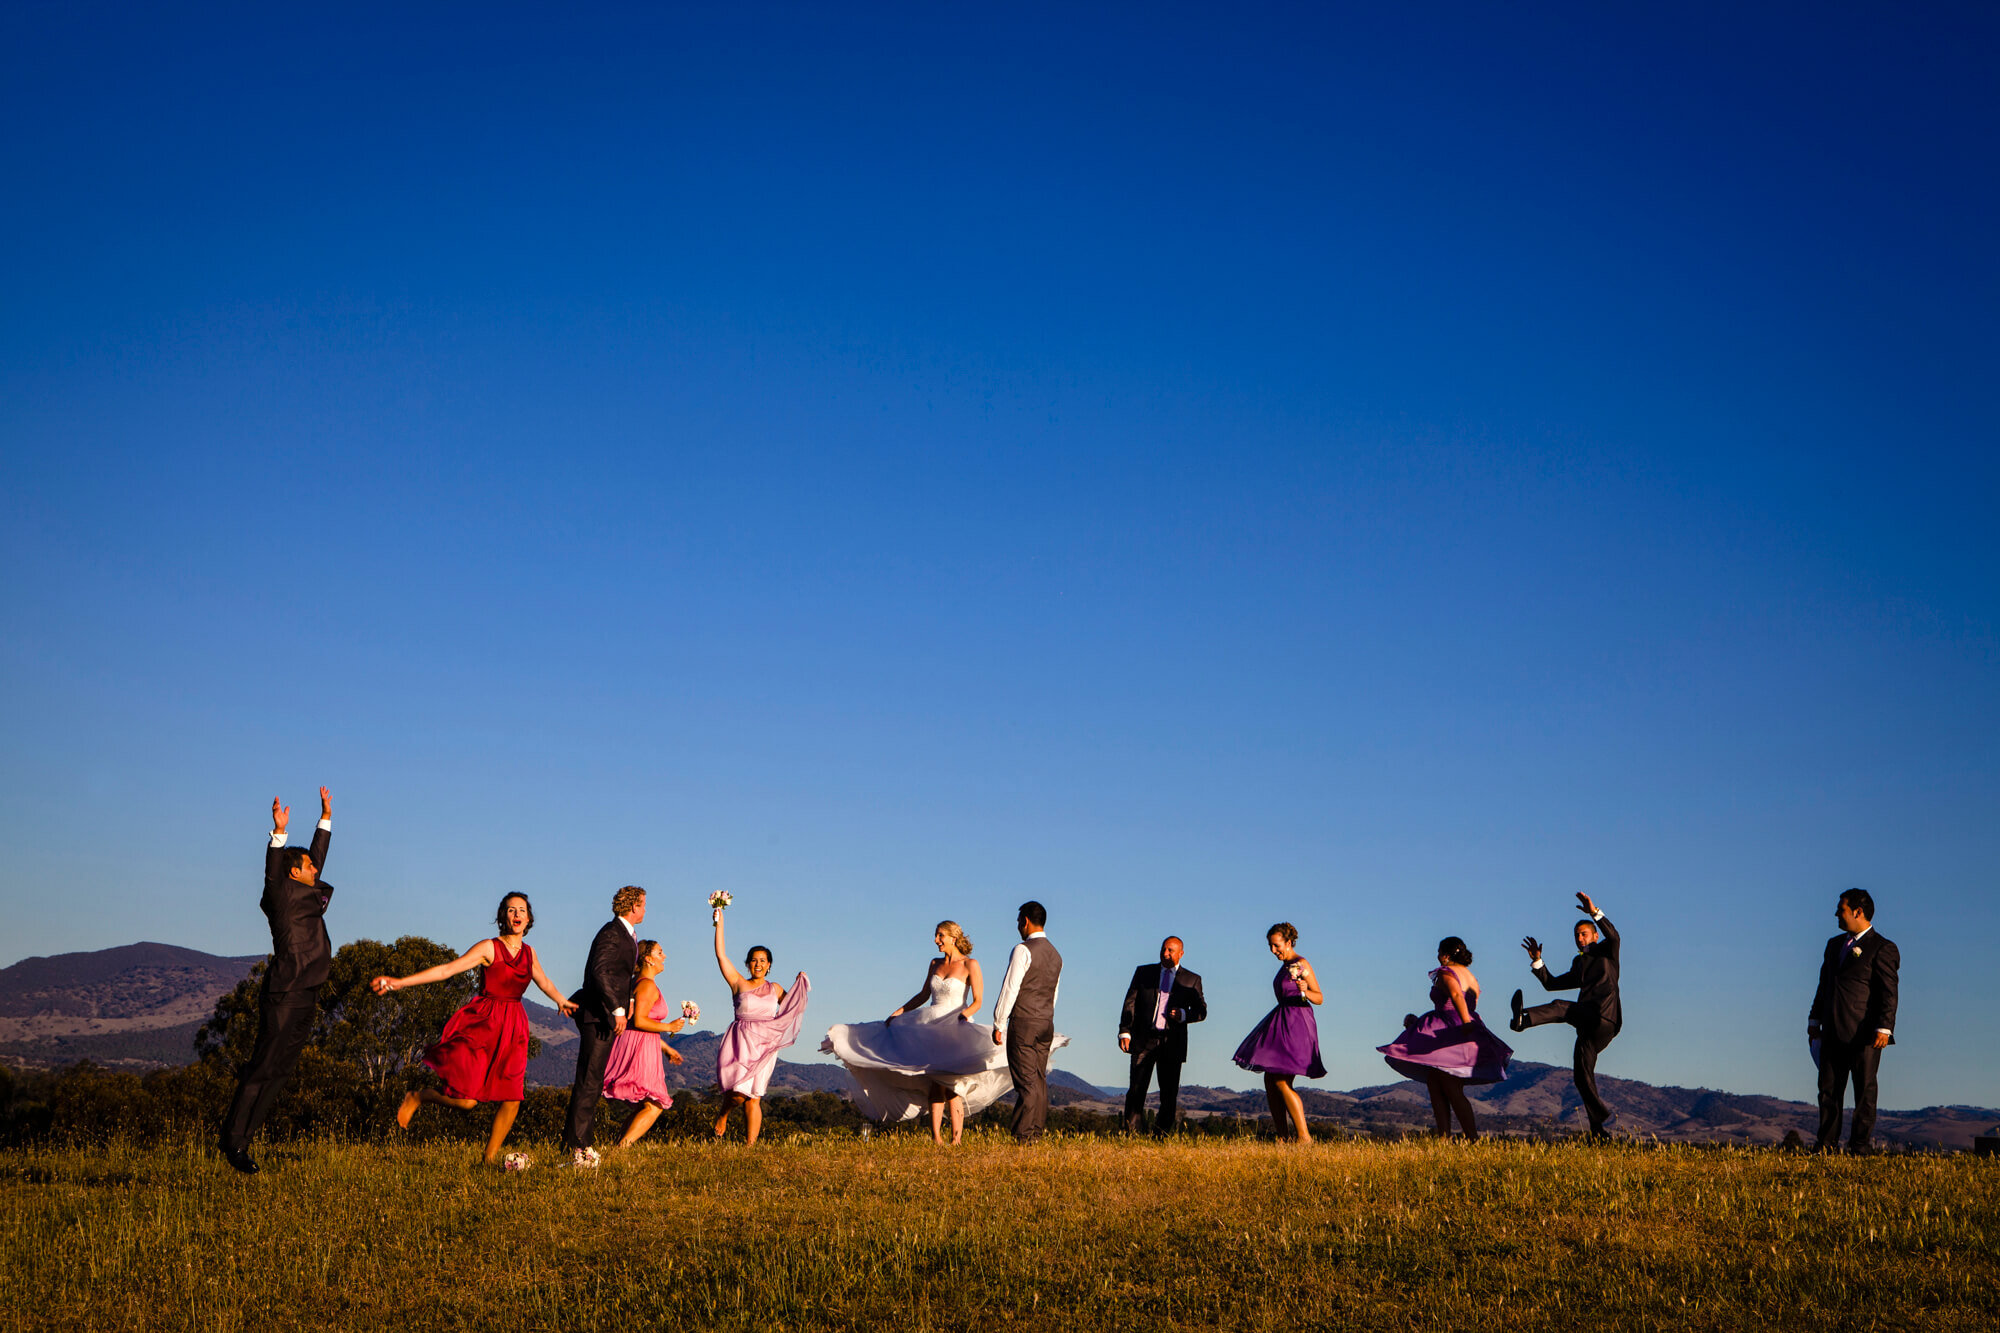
{"x":1450,"y":1046}
{"x":1286,"y":1043}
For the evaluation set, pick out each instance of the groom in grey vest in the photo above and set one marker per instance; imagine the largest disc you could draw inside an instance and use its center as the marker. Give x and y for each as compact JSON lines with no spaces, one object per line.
{"x":1025,"y":1019}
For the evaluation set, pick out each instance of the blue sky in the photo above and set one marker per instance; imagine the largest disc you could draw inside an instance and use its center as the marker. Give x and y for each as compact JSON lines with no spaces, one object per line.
{"x":1383,"y":471}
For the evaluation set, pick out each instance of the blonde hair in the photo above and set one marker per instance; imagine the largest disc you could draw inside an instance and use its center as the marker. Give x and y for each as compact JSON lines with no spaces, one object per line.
{"x":950,"y":930}
{"x":626,"y":899}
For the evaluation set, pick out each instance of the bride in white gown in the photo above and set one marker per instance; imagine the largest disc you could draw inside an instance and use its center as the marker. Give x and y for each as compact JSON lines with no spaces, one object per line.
{"x":929,"y":1054}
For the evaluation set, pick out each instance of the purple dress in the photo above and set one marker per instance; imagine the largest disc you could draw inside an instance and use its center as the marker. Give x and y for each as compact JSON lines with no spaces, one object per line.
{"x":1441,"y":1042}
{"x":1286,"y":1041}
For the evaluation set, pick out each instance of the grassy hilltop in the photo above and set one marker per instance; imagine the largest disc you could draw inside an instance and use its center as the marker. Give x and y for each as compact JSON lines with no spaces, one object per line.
{"x":828,"y":1231}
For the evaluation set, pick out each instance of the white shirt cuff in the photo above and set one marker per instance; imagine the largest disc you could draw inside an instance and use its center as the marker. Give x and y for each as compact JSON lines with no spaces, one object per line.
{"x":1884,"y":1032}
{"x":277,"y":838}
{"x":618,"y":1012}
{"x":1538,"y":966}
{"x":326,"y":824}
{"x":1597,"y":916}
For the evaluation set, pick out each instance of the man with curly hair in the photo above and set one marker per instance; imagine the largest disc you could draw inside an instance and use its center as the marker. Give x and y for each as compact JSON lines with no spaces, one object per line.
{"x":602,"y":1004}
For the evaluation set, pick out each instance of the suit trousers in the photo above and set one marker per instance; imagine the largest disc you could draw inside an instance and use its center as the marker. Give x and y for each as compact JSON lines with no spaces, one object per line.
{"x":1592,"y":1036}
{"x":1839,"y":1061}
{"x":1144,"y":1065}
{"x":284,"y":1021}
{"x":593,"y":1049}
{"x":1028,"y":1046}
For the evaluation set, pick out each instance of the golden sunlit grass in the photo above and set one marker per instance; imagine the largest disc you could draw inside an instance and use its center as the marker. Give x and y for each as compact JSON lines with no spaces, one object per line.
{"x":832,"y":1231}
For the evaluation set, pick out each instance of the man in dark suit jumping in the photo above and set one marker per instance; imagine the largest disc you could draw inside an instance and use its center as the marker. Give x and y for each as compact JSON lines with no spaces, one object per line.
{"x":1162,"y":1000}
{"x":600,"y":1016}
{"x":1595,"y":1013}
{"x":1853,"y":1018}
{"x":294,"y":902}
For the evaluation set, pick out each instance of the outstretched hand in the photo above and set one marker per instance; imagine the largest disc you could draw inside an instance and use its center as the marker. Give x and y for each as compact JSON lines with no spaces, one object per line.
{"x":1534,"y":948}
{"x":567,"y":1007}
{"x":382,"y":985}
{"x":673,"y":1056}
{"x":1586,"y":905}
{"x":325,"y":804}
{"x":280,"y":816}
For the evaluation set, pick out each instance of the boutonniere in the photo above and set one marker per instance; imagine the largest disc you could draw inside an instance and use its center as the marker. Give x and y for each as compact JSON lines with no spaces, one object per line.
{"x":1855,"y":951}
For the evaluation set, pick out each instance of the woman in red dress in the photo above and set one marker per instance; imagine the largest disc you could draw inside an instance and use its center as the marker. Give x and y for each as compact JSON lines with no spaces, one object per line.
{"x":483,"y":1054}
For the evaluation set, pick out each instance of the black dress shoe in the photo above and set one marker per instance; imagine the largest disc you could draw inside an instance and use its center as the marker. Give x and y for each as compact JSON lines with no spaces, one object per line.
{"x":1515,"y":1024}
{"x":239,"y":1159}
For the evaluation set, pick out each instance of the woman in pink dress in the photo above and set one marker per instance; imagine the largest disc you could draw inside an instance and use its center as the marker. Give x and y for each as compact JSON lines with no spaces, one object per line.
{"x":633,"y":1072}
{"x":767,"y":1020}
{"x":483,"y":1054}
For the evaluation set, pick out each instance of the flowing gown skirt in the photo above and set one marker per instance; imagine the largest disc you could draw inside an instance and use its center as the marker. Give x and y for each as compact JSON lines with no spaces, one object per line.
{"x":762,"y":1028}
{"x":1439,"y":1041}
{"x":894,"y":1065}
{"x":1286,"y":1041}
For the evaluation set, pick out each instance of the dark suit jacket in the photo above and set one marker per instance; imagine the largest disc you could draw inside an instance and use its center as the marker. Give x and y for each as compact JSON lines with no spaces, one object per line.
{"x":1594,"y":977}
{"x":607,"y":973}
{"x":1136,"y":1019}
{"x":1857,"y":994}
{"x":301,"y":953}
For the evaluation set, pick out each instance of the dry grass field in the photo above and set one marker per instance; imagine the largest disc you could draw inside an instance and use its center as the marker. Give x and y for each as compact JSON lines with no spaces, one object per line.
{"x":830,"y":1231}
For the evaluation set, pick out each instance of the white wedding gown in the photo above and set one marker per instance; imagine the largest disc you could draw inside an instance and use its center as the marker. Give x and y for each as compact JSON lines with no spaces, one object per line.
{"x":893,"y":1065}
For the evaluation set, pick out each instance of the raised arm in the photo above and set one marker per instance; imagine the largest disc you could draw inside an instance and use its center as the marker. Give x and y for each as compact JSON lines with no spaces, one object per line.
{"x":1607,"y":931}
{"x":479,"y":955}
{"x":563,"y":1003}
{"x":729,"y":972}
{"x":923,"y":992}
{"x":975,"y":990}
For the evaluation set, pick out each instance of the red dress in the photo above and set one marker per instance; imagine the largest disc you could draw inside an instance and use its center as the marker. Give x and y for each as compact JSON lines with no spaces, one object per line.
{"x":483,"y":1053}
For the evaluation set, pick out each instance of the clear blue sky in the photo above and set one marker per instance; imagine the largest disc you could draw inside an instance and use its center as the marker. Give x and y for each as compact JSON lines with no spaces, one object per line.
{"x":1386,"y":471}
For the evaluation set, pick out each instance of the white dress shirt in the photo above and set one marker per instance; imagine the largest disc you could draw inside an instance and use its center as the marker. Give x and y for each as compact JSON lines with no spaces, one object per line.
{"x":278,"y":838}
{"x":1010,"y":987}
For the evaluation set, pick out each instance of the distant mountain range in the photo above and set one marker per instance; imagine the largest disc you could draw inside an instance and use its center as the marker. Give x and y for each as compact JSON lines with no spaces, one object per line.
{"x":137,"y":1007}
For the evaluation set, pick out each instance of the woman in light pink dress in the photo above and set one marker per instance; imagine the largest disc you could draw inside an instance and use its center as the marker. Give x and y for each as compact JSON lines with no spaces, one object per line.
{"x":767,"y":1020}
{"x":633,"y":1072}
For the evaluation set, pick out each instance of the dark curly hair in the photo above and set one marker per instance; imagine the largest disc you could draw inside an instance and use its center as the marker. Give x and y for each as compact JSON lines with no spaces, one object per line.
{"x":1285,"y":931}
{"x":500,"y":916}
{"x":1452,"y":949}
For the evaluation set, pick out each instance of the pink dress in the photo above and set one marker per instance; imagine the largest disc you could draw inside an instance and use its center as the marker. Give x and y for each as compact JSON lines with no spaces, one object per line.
{"x":763,"y":1027}
{"x":635,"y":1071}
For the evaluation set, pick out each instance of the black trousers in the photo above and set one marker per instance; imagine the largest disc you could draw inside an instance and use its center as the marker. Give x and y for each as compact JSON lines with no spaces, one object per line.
{"x":1839,"y":1061}
{"x":284,"y":1021}
{"x":1028,"y":1046}
{"x":593,"y":1049}
{"x":1144,"y":1065}
{"x":1592,"y":1036}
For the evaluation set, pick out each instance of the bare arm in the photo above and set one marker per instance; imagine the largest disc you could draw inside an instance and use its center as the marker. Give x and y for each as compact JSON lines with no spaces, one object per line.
{"x":643,"y":1000}
{"x":479,"y":955}
{"x":549,"y":989}
{"x":975,"y":989}
{"x":1309,"y":983}
{"x":1456,"y":990}
{"x":729,"y":972}
{"x":923,"y":992}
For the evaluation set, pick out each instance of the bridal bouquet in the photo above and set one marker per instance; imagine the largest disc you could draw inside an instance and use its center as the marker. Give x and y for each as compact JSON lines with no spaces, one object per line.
{"x":690,"y":1011}
{"x":720,"y":899}
{"x":1297,"y":972}
{"x":516,"y":1161}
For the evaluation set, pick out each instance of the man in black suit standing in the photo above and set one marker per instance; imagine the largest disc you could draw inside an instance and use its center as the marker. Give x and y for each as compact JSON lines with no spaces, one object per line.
{"x":602,"y":1003}
{"x":1162,"y":1000}
{"x":1595,"y":1013}
{"x":294,"y":902}
{"x":1853,"y":1019}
